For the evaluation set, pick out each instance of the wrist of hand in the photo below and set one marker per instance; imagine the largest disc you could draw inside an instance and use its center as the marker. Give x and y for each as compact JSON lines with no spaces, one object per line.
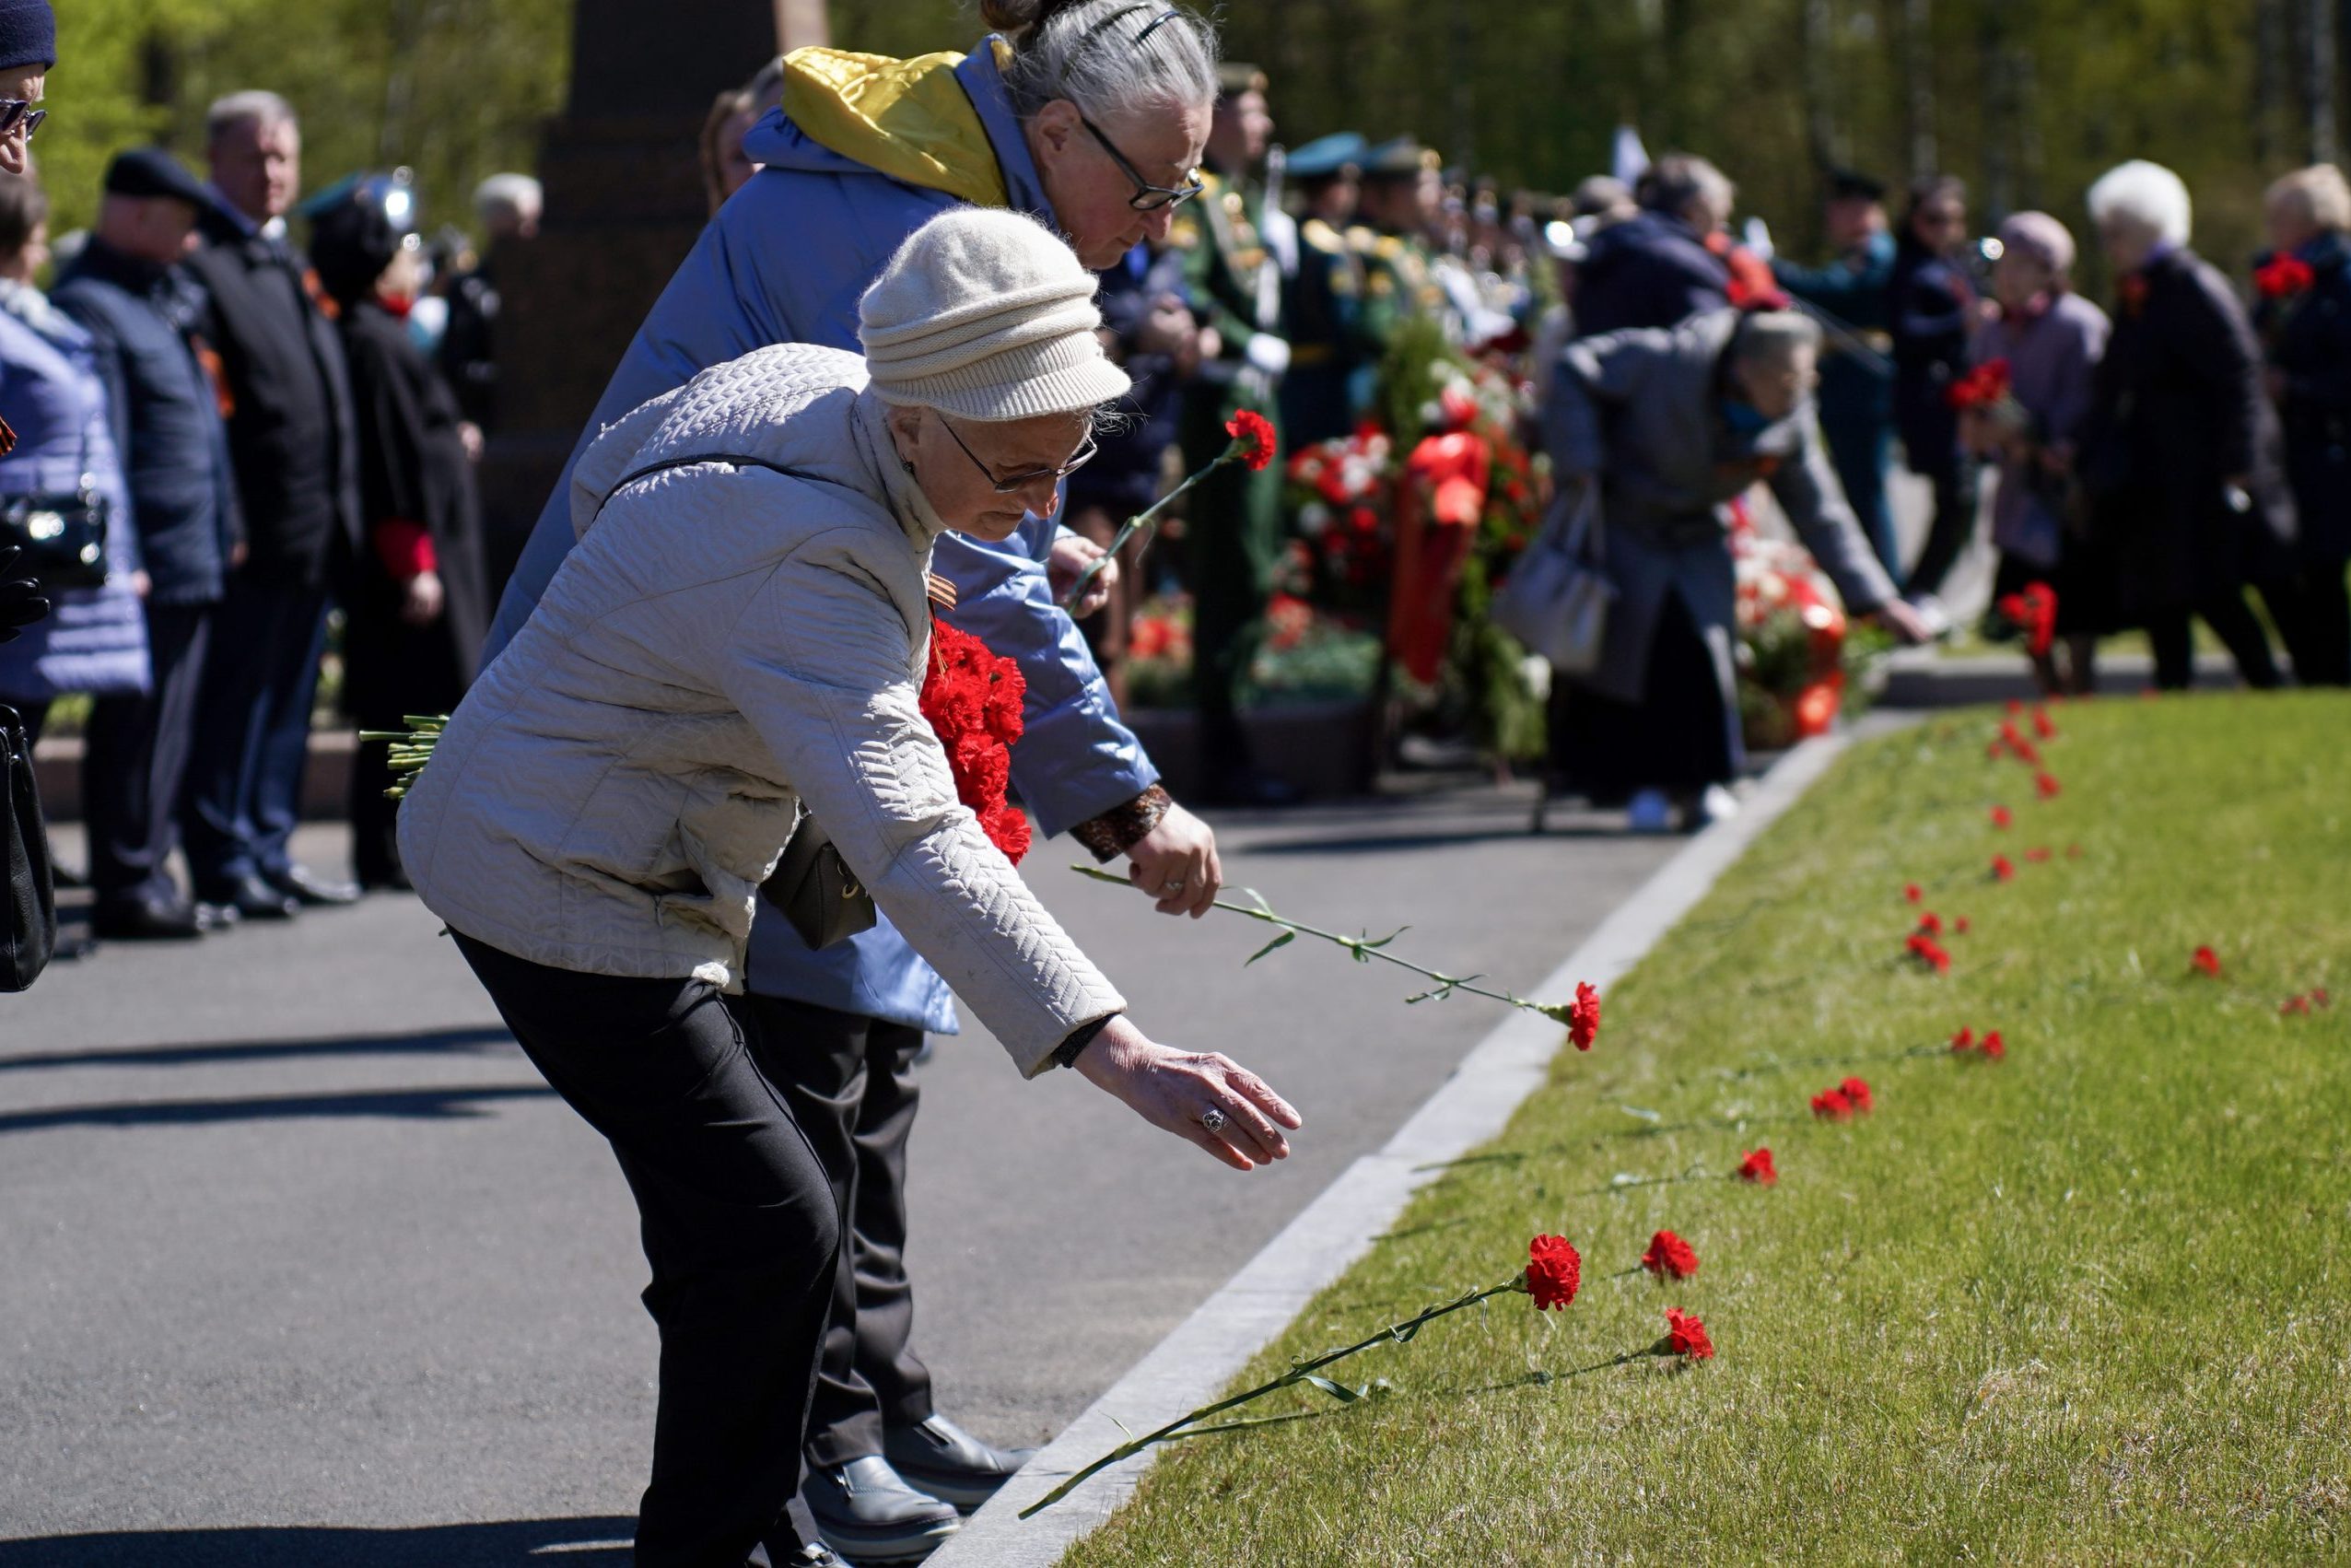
{"x":1116,"y":831}
{"x":1110,"y":1054}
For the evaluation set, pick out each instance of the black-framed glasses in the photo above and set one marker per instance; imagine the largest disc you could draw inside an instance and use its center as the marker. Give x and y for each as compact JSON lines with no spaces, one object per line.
{"x":1018,"y":482}
{"x":19,"y":113}
{"x":1147,"y":197}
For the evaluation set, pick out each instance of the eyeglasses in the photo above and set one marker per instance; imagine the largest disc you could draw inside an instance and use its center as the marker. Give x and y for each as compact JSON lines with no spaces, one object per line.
{"x":16,"y":113}
{"x":1147,"y":197}
{"x":1018,"y":482}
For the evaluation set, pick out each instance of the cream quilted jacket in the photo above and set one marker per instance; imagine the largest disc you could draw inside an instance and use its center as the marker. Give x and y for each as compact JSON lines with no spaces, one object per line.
{"x":725,"y":644}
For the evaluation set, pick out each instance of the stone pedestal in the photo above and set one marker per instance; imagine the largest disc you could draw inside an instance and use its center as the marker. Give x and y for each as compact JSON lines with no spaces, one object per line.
{"x":624,"y":206}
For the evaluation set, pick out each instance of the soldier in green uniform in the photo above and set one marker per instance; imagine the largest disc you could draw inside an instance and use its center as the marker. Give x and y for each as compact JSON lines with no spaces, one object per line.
{"x":1236,"y":534}
{"x":1403,"y":190}
{"x":1323,"y":306}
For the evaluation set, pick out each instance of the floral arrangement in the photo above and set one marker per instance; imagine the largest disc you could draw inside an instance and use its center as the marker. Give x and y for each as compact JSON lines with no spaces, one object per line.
{"x":2282,"y":276}
{"x":1341,"y":490}
{"x":972,"y":699}
{"x":1982,"y":389}
{"x":1793,"y":636}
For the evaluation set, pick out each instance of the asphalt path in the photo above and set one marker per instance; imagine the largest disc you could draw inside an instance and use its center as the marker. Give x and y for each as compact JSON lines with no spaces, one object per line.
{"x":302,"y":1263}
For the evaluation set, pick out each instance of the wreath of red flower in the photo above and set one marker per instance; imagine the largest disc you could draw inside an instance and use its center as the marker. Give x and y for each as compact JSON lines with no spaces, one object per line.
{"x":972,"y":701}
{"x":1249,"y":425}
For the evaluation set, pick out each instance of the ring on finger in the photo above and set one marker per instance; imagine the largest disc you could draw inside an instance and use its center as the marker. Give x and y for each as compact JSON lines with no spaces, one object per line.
{"x":1176,"y":884}
{"x":1214,"y":1119}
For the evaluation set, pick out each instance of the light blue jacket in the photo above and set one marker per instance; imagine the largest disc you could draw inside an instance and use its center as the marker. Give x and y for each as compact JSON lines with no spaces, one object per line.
{"x":786,"y":260}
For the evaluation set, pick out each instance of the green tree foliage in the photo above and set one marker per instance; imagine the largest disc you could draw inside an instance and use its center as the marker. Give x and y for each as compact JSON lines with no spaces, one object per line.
{"x":457,"y":89}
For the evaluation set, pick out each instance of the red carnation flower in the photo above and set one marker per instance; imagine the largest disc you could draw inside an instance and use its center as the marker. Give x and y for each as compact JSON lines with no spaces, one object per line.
{"x":2003,"y":869}
{"x":1995,"y":752}
{"x":1931,"y":923}
{"x":2282,"y":277}
{"x":1670,"y":1256}
{"x":2206,"y":960}
{"x":1993,"y":1047}
{"x":1253,"y":439}
{"x":2002,"y":817}
{"x":1584,"y":1017}
{"x":1962,"y":927}
{"x":1831,"y":1104}
{"x":2293,"y":1005}
{"x":2038,"y":855}
{"x":2016,"y":707}
{"x":2046,"y":783}
{"x":1913,"y":892}
{"x":1963,"y":1039}
{"x":2011,"y":734}
{"x":1686,"y":1336}
{"x":1929,"y":952}
{"x":1857,"y":1091}
{"x":972,"y":701}
{"x":2043,"y":725}
{"x":1758,"y":1168}
{"x":1554,"y":1272}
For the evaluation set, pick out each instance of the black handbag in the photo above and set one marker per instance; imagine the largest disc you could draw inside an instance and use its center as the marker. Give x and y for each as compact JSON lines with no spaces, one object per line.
{"x":816,"y":891}
{"x":63,"y":536}
{"x":29,"y":935}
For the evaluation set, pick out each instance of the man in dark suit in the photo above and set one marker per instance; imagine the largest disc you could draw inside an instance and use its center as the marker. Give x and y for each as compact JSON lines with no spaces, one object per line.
{"x":290,"y":430}
{"x":142,"y":310}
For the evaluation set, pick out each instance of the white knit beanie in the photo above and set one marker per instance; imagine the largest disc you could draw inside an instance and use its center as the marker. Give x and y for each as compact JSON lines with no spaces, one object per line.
{"x":986,"y":315}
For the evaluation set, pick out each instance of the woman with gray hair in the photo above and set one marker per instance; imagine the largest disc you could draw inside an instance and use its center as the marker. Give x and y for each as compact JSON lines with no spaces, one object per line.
{"x":1659,"y":430}
{"x":2181,"y":451}
{"x":2303,"y":309}
{"x":2049,"y":339}
{"x":741,"y":636}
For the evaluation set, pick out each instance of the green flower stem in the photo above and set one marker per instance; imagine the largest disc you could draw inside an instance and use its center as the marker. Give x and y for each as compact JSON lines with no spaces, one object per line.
{"x":1148,"y":518}
{"x":1792,"y":1063}
{"x":1364,"y":950}
{"x":1395,"y":1333}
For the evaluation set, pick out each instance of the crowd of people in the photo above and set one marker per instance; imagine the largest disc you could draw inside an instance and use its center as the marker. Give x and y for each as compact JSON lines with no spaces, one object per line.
{"x":924,"y":284}
{"x":258,"y":434}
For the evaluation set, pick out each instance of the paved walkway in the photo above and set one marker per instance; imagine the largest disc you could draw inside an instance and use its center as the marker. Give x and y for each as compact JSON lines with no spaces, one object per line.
{"x":304,"y":1265}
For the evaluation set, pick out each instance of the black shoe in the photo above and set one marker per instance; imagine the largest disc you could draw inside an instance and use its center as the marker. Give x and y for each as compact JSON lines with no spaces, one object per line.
{"x":248,"y":899}
{"x":305,"y":886}
{"x":949,"y":1463}
{"x":866,"y":1512}
{"x":818,"y":1556}
{"x":144,"y":920}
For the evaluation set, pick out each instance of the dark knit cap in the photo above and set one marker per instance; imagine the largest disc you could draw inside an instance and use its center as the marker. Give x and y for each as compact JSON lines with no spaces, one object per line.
{"x":28,"y":34}
{"x":356,"y":229}
{"x":151,"y":171}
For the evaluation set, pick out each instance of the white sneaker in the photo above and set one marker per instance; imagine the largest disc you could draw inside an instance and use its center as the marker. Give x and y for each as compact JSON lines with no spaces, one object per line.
{"x":1717,"y":804}
{"x":1650,"y":811}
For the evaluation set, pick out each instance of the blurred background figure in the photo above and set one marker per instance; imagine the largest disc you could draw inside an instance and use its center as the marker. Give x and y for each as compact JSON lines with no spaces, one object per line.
{"x":2303,"y":289}
{"x":725,"y":165}
{"x":1661,"y":266}
{"x":417,"y":607}
{"x":1848,"y":294}
{"x":2182,"y":451}
{"x":507,"y":207}
{"x":1659,"y":430}
{"x":1324,"y":307}
{"x":2051,"y":339}
{"x":142,"y":310}
{"x":51,"y":396}
{"x":1933,"y":315}
{"x":289,"y":403}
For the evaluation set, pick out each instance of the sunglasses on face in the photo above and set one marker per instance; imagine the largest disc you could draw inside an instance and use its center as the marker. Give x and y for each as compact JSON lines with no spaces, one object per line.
{"x":18,"y":114}
{"x":1019,"y":482}
{"x":1147,"y":197}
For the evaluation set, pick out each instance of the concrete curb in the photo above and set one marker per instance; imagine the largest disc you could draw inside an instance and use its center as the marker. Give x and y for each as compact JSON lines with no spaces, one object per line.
{"x":1193,"y":1364}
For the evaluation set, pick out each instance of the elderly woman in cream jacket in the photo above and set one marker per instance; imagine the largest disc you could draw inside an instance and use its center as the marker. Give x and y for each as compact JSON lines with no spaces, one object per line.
{"x":739,"y":636}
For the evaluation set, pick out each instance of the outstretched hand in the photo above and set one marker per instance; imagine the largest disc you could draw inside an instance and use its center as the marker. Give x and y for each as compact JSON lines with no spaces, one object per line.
{"x":1177,"y":1091}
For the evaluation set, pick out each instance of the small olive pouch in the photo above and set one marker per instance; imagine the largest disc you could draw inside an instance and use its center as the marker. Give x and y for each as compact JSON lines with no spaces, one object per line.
{"x":816,"y":890}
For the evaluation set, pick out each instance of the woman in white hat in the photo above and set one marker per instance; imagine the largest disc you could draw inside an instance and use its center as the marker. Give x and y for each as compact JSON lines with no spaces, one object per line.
{"x":740,"y":631}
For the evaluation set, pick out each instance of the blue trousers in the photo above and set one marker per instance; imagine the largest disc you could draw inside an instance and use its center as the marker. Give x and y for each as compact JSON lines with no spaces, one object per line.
{"x":244,"y":790}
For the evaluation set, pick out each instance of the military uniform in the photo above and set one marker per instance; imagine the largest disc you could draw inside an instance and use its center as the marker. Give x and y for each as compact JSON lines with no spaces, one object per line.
{"x":1323,"y":395}
{"x":1235,"y":533}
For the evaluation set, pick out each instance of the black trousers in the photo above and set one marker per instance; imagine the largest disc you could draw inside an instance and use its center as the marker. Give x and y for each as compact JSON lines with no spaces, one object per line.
{"x":850,"y":1082}
{"x":245,"y":779}
{"x":740,"y":1225}
{"x":136,"y":760}
{"x":2231,"y":619}
{"x":1946,"y":537}
{"x":2313,"y":614}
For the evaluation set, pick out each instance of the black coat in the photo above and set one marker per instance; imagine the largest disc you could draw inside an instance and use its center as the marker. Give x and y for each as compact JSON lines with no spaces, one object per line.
{"x":2178,"y":411}
{"x":2309,"y":341}
{"x":1649,"y":271}
{"x":468,"y":345}
{"x":290,"y":430}
{"x":166,"y":413}
{"x":412,"y":468}
{"x":1934,"y":317}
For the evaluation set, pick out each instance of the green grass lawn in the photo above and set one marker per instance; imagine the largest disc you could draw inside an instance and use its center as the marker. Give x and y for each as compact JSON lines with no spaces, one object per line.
{"x":2090,"y":1303}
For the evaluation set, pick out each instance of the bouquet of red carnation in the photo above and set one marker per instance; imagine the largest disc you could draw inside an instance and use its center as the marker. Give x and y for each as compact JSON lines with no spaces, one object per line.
{"x":2033,"y":611}
{"x":2282,"y":276}
{"x":972,"y":699}
{"x":1983,"y":388}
